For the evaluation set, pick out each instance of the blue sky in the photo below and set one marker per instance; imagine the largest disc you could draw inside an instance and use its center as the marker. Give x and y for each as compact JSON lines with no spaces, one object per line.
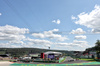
{"x":60,"y":24}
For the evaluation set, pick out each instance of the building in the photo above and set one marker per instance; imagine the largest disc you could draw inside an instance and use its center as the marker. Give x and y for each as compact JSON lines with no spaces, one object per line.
{"x":52,"y":55}
{"x":34,"y":55}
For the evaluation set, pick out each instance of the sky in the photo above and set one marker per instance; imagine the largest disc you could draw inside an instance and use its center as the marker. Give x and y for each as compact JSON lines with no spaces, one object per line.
{"x":58,"y":24}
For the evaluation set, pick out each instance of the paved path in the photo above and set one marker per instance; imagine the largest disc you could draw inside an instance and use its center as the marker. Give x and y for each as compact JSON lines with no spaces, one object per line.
{"x":68,"y":58}
{"x":5,"y":63}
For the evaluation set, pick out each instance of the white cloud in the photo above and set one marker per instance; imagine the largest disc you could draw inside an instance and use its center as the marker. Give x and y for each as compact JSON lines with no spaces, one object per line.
{"x":10,"y":33}
{"x":50,"y":34}
{"x":8,"y":29}
{"x":0,"y":14}
{"x":4,"y":45}
{"x":56,"y":21}
{"x":95,"y":30}
{"x":54,"y":30}
{"x":15,"y":37}
{"x":11,"y":36}
{"x":91,"y":19}
{"x":38,"y":42}
{"x":80,"y":42}
{"x":72,"y":17}
{"x":78,"y":31}
{"x":10,"y":45}
{"x":80,"y":37}
{"x":75,"y":45}
{"x":28,"y":43}
{"x":38,"y":35}
{"x":16,"y":42}
{"x":83,"y":44}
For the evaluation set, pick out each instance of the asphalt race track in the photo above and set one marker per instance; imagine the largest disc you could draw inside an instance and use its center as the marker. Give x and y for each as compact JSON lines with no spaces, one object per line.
{"x":68,"y":62}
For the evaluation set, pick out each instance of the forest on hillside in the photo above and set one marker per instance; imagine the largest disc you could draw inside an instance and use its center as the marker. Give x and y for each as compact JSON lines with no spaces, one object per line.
{"x":25,"y":51}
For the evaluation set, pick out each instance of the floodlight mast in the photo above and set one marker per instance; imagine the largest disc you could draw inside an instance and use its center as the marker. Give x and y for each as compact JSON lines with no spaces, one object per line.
{"x":49,"y":47}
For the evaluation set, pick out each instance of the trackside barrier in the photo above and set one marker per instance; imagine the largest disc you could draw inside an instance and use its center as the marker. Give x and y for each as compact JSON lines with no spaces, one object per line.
{"x":74,"y":64}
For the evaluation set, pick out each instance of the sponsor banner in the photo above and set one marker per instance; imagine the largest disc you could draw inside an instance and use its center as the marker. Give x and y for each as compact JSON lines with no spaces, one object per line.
{"x":51,"y":56}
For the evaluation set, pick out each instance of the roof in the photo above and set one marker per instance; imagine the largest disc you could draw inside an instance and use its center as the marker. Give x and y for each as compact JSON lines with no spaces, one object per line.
{"x":34,"y":55}
{"x":51,"y":52}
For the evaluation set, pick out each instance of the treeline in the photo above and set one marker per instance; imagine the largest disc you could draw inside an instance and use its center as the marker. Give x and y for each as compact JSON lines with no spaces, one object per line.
{"x":95,"y":48}
{"x":25,"y":51}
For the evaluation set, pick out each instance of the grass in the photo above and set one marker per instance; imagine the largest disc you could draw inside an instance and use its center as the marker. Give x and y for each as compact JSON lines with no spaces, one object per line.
{"x":3,"y":60}
{"x":62,"y":60}
{"x":88,"y":59}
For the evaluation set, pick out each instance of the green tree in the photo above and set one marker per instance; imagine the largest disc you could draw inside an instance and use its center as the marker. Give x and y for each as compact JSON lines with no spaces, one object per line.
{"x":97,"y":46}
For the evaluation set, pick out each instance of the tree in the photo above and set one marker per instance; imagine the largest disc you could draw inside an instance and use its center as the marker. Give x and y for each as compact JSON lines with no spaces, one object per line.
{"x":97,"y":46}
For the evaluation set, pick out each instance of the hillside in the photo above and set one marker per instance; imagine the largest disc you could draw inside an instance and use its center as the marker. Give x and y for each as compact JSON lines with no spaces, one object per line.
{"x":26,"y":51}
